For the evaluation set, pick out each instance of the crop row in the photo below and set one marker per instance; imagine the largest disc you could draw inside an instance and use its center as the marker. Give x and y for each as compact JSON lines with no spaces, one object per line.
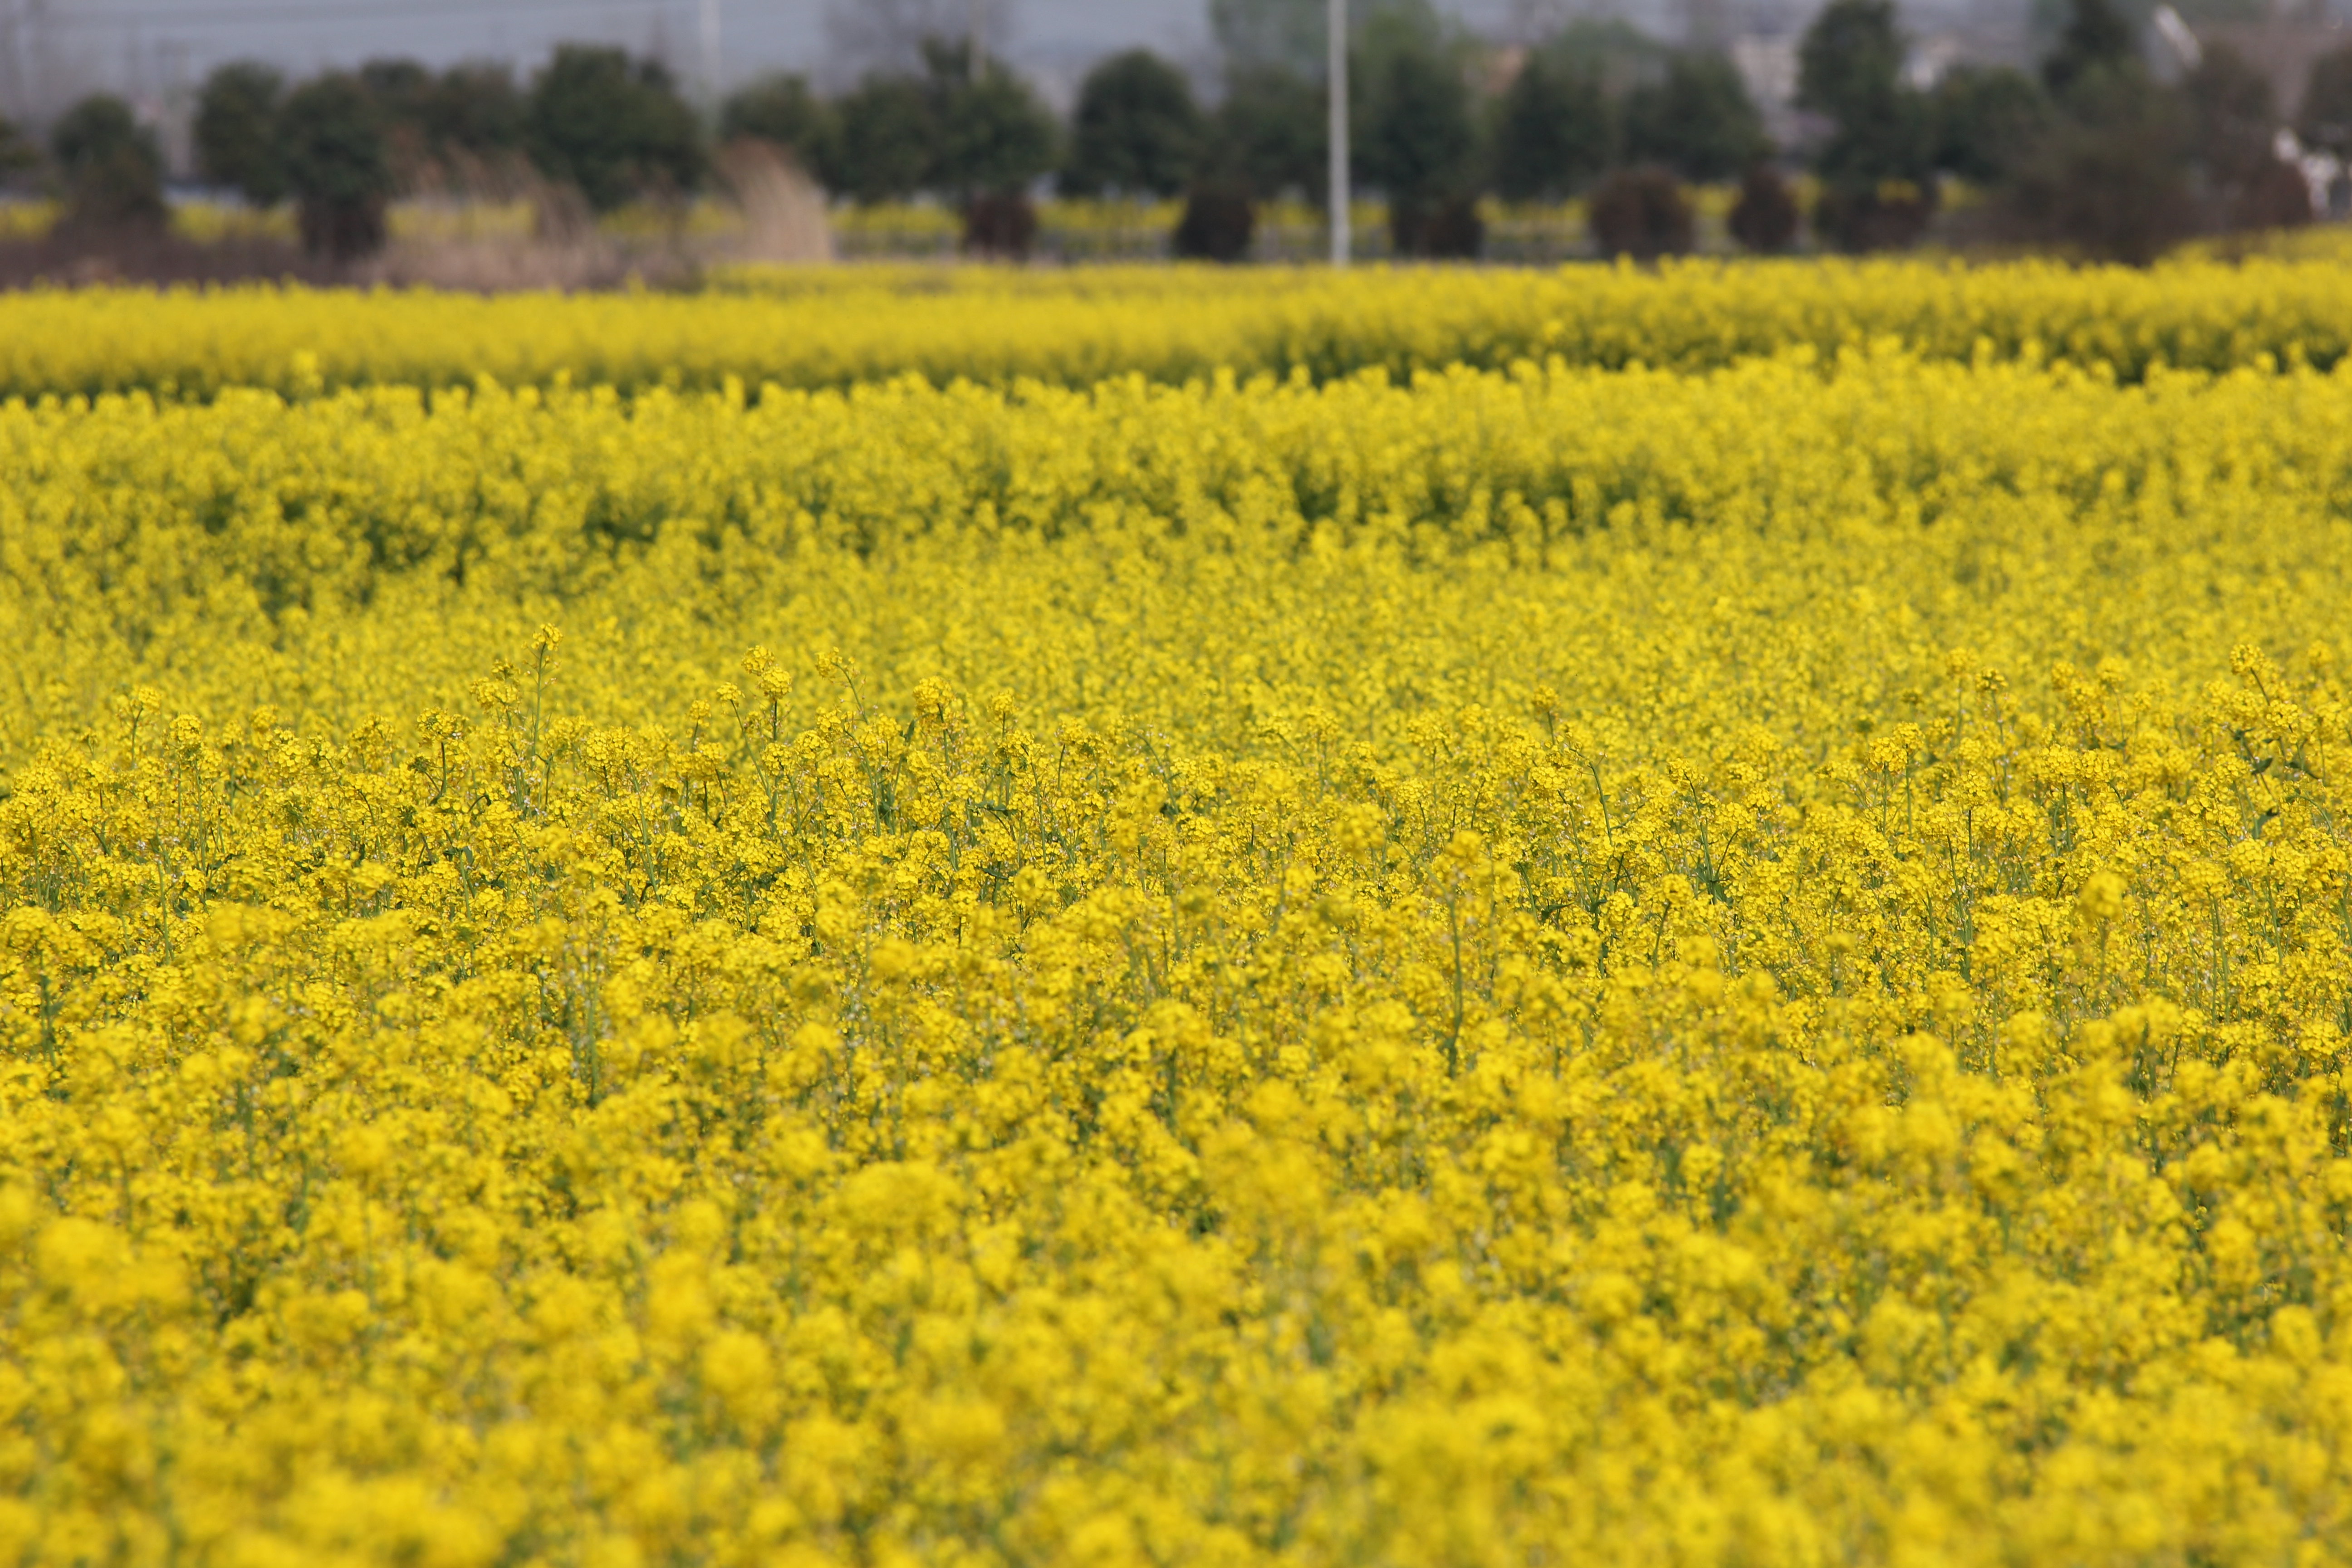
{"x":815,"y":327}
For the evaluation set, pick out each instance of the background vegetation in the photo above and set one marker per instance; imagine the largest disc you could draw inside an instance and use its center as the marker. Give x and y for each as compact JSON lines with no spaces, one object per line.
{"x":1601,"y":128}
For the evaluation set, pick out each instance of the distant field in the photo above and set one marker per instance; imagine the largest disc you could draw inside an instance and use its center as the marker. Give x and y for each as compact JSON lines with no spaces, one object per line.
{"x":839,"y":326}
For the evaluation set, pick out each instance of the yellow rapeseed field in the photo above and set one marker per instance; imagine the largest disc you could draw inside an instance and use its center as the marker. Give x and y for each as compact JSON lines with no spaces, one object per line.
{"x":837,"y":326}
{"x":1747,"y":962}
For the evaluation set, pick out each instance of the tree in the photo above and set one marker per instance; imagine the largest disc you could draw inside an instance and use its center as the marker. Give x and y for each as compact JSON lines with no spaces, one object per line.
{"x":2233,"y":117}
{"x":402,"y":89}
{"x":476,"y":110}
{"x":1877,"y":167}
{"x":113,"y":171}
{"x":2098,"y":39}
{"x":611,"y":127}
{"x":994,"y":138}
{"x":883,"y":145}
{"x":1135,"y":129}
{"x":994,"y":133}
{"x":2233,"y":122}
{"x":781,"y":110}
{"x":1418,"y":143}
{"x":1697,"y":119}
{"x":1986,"y":119}
{"x":2325,"y":121}
{"x":1267,"y":136}
{"x":16,"y":153}
{"x":402,"y":92}
{"x":1554,"y":130}
{"x":1850,"y":60}
{"x":2109,"y":179}
{"x":1270,"y":135}
{"x":236,"y":130}
{"x":331,"y":136}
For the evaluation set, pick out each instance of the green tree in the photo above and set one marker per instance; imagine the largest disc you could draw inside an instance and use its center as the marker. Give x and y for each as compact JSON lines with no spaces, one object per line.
{"x":1417,"y":140}
{"x":1270,"y":135}
{"x":994,"y":134}
{"x":1877,"y":167}
{"x":2325,"y":120}
{"x":478,"y":110}
{"x":782,"y":111}
{"x":331,"y":137}
{"x":2109,"y":179}
{"x":236,"y":130}
{"x":112,"y":169}
{"x":2098,"y":39}
{"x":611,"y":127}
{"x":402,"y":92}
{"x":1554,"y":130}
{"x":1696,"y":119}
{"x":1850,"y":60}
{"x":17,"y":153}
{"x":2233,"y":120}
{"x":2112,"y":175}
{"x":1135,"y":129}
{"x":402,"y":89}
{"x":1986,"y":117}
{"x":883,"y":146}
{"x":2232,"y":116}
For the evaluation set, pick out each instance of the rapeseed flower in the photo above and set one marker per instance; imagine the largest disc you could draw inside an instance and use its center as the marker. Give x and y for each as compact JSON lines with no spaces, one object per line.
{"x":1518,"y":964}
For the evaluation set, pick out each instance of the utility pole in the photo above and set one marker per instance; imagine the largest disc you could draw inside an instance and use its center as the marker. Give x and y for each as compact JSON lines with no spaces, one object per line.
{"x":1342,"y":241}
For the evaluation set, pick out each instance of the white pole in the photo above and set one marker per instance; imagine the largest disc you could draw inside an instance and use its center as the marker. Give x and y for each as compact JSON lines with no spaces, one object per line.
{"x":1341,"y":240}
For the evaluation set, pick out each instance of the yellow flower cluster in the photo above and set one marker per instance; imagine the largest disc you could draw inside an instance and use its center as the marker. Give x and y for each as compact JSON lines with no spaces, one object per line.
{"x":1548,"y":964}
{"x":817,"y":327}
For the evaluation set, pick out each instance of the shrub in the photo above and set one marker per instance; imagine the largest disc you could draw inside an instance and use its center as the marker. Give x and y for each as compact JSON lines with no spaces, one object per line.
{"x":1218,"y":223}
{"x":1641,"y":213}
{"x":1443,"y":228}
{"x":1000,"y":224}
{"x":1764,"y":217}
{"x":1890,"y":218}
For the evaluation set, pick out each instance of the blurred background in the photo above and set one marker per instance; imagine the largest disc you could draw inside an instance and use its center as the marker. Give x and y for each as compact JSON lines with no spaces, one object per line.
{"x":590,"y":142}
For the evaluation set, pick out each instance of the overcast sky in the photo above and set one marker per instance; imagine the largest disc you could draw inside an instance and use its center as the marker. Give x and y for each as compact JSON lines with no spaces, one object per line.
{"x":143,"y":45}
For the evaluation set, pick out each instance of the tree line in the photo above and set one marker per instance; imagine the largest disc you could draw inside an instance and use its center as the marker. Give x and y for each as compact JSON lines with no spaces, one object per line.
{"x":593,"y":123}
{"x":2090,"y":153}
